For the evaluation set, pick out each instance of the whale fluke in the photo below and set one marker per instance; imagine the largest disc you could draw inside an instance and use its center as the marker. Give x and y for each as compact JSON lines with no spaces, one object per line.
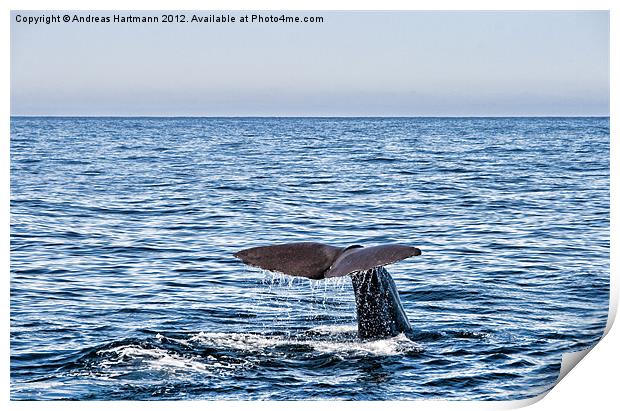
{"x":318,"y":261}
{"x":363,"y":259}
{"x":380,"y":313}
{"x":309,"y":260}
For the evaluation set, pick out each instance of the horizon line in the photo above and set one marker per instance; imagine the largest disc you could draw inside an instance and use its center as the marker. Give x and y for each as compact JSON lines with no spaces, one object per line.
{"x":311,"y":116}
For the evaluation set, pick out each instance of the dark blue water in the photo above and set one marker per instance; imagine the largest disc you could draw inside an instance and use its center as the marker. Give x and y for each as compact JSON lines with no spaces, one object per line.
{"x":123,"y":284}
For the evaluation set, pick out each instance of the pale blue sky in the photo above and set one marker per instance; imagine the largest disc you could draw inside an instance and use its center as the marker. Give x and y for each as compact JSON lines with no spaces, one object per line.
{"x":354,"y":64}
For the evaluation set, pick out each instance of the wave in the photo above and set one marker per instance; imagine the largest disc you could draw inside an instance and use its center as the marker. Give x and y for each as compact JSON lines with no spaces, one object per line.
{"x":220,"y":352}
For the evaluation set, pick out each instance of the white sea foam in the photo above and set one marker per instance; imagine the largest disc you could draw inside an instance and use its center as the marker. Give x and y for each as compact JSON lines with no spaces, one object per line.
{"x":333,"y":329}
{"x":240,"y":341}
{"x":257,"y":342}
{"x":161,"y":359}
{"x":390,"y":346}
{"x":331,"y":339}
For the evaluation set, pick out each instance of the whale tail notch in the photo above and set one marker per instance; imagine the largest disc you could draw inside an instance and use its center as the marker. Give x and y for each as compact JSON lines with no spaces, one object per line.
{"x":317,"y":261}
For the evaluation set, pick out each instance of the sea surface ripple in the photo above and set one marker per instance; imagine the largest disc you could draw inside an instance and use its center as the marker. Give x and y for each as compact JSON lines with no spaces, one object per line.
{"x":123,"y":283}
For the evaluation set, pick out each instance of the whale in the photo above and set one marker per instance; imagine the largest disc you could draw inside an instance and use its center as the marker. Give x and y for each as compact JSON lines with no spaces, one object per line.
{"x":380,"y":312}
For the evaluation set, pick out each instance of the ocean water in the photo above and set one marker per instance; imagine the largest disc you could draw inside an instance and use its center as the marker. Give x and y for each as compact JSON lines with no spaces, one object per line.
{"x":123,"y":283}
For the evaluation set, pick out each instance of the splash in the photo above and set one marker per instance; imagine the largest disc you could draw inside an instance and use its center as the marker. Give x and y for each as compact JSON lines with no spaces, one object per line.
{"x":339,"y":339}
{"x":160,"y":359}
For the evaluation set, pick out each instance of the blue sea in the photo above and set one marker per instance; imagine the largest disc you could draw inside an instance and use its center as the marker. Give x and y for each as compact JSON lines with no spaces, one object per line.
{"x":124,"y":285}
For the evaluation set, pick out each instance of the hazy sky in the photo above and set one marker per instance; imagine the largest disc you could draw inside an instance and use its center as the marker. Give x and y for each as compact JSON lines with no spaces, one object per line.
{"x":353,"y":64}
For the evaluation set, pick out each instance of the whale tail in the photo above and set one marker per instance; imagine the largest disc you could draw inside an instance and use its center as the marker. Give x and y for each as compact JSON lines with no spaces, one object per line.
{"x":317,"y":261}
{"x":380,"y":313}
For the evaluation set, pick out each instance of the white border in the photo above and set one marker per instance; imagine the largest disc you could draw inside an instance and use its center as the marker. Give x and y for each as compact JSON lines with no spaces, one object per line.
{"x":593,"y":384}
